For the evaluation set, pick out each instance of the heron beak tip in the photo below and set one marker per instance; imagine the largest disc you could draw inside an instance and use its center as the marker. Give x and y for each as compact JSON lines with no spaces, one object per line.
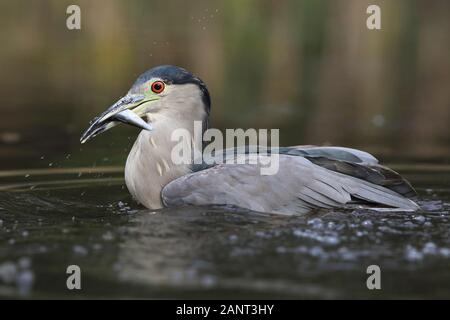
{"x":119,"y":112}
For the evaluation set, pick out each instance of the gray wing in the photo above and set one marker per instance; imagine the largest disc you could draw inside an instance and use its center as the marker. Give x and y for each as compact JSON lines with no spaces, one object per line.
{"x":297,"y":187}
{"x":352,"y":162}
{"x":332,"y":153}
{"x":335,"y":153}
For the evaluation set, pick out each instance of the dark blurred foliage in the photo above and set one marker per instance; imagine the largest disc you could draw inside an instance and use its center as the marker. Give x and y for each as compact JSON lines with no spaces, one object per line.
{"x":308,"y":67}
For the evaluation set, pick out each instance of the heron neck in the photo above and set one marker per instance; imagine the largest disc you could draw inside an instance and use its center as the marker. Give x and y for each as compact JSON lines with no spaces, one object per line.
{"x":150,"y":166}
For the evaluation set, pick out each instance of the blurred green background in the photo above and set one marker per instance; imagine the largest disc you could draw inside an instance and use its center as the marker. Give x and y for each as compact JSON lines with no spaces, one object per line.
{"x":308,"y":67}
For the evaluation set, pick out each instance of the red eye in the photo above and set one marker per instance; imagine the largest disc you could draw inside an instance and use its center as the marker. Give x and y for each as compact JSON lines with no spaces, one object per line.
{"x":158,"y":86}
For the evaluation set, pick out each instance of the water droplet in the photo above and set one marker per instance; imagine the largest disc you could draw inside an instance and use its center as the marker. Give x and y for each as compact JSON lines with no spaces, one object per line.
{"x":367,"y":224}
{"x":10,"y":137}
{"x":316,"y":252}
{"x":24,"y":263}
{"x":429,"y":248}
{"x":108,"y":236}
{"x":77,"y":249}
{"x":444,"y":252}
{"x":97,"y":246}
{"x":208,"y":280}
{"x":378,"y":120}
{"x":360,"y":233}
{"x":281,"y":249}
{"x":346,"y":254}
{"x":8,"y":272}
{"x":419,"y":218}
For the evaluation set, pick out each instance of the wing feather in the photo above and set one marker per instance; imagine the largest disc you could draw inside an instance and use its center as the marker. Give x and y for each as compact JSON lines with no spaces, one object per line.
{"x":298,"y":186}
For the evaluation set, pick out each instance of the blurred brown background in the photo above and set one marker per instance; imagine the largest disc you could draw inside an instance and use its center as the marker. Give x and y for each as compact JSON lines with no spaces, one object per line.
{"x":308,"y":67}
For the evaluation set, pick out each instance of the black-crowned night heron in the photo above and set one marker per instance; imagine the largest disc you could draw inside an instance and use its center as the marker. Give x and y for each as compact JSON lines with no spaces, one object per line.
{"x":166,"y":98}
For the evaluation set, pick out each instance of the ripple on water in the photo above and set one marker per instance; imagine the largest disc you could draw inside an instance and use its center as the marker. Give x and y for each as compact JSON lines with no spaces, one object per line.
{"x":210,"y":250}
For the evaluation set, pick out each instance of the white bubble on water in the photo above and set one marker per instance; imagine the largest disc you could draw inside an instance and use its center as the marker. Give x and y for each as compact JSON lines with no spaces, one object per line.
{"x":429,"y":248}
{"x":345,"y":254}
{"x":8,"y":272}
{"x":317,"y":252}
{"x":327,"y":239}
{"x":445,"y":252}
{"x":25,"y":281}
{"x":412,"y":254}
{"x":19,"y":274}
{"x":108,"y":236}
{"x":316,"y":223}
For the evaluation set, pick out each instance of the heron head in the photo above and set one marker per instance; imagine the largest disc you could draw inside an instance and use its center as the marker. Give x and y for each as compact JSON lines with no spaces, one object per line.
{"x":168,"y":91}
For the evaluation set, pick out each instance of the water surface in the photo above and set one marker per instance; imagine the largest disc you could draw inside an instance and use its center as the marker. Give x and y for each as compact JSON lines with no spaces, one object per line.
{"x":50,"y":219}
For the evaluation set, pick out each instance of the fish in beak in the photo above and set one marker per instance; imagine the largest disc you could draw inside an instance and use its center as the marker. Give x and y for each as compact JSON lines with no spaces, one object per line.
{"x":126,"y":110}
